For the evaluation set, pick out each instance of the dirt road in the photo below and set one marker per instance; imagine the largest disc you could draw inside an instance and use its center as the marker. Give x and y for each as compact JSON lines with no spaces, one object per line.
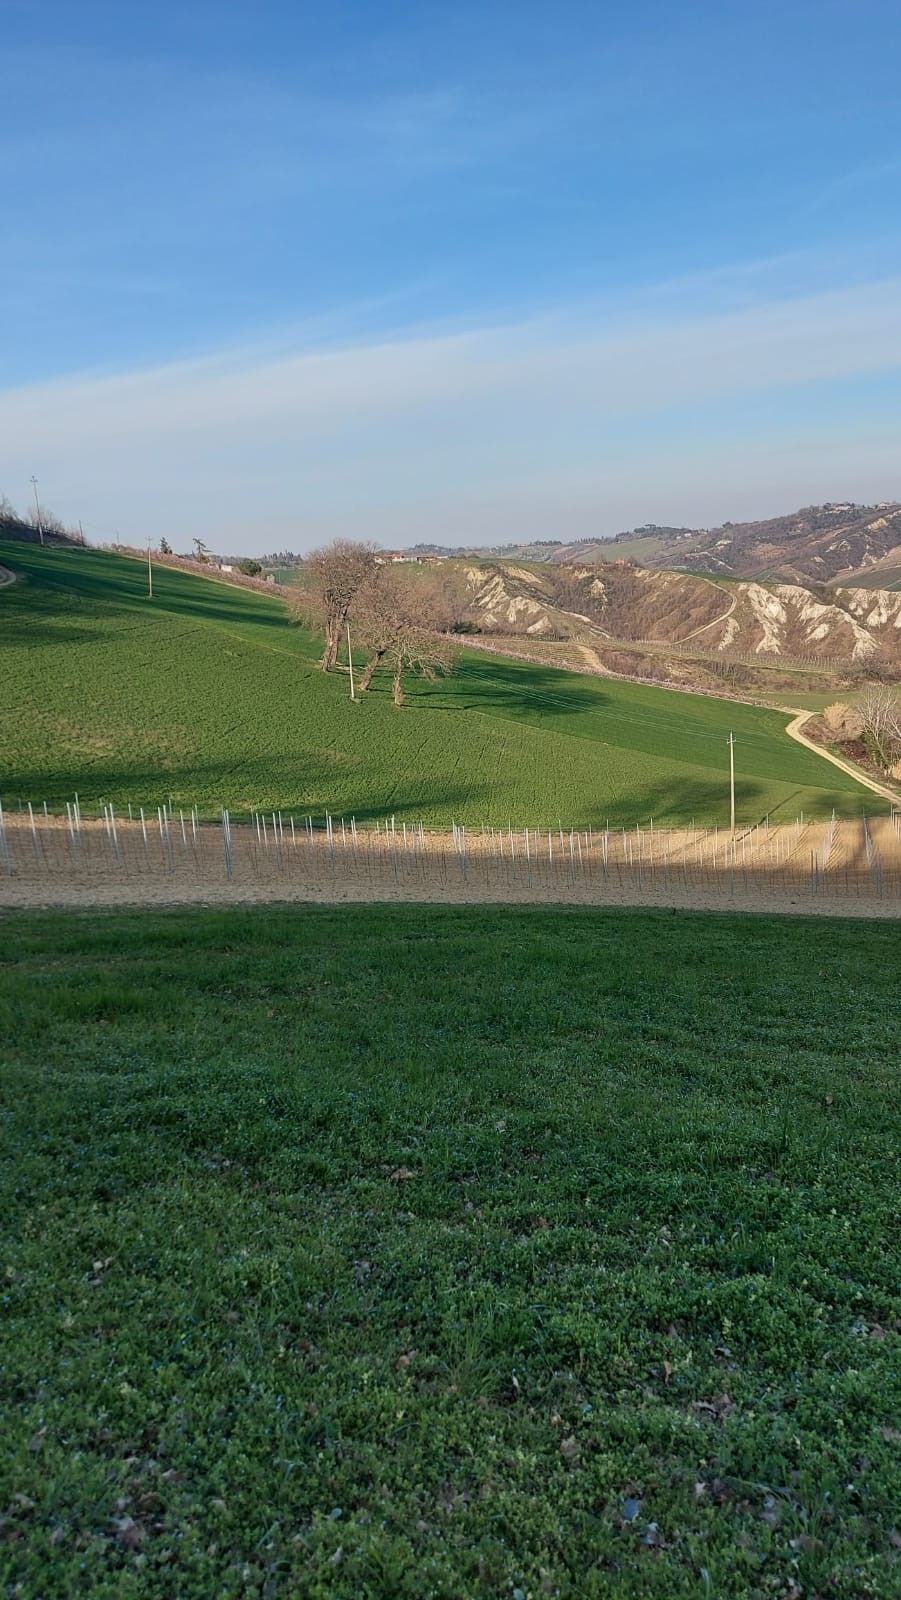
{"x":794,"y":732}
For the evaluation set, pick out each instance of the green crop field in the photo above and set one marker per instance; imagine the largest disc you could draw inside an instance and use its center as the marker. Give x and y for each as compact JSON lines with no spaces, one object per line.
{"x":882,"y":578}
{"x":447,"y":1253}
{"x":210,"y":694}
{"x":643,"y":548}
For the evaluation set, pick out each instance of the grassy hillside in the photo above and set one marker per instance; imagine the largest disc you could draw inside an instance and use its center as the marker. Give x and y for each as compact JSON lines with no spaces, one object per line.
{"x":880,"y":578}
{"x":209,"y":693}
{"x":386,"y":1252}
{"x":642,"y":548}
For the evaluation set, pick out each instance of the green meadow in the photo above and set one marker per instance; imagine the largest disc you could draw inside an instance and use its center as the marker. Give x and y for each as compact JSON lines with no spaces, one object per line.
{"x":442,"y":1253}
{"x":210,"y":694}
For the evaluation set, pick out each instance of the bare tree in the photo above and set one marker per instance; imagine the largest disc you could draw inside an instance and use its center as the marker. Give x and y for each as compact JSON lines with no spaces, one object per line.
{"x":47,"y":519}
{"x":402,"y":617}
{"x":880,"y":710}
{"x":377,"y":616}
{"x":334,"y":575}
{"x":415,"y":650}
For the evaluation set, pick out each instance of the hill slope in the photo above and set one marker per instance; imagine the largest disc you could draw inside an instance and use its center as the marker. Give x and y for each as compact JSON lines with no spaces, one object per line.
{"x":818,"y":544}
{"x":832,"y":543}
{"x":772,"y":622}
{"x":210,"y":694}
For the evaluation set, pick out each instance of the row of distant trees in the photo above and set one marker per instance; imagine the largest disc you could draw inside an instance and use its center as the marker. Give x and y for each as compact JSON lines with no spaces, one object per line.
{"x":400,"y":615}
{"x":13,"y":521}
{"x":202,"y":554}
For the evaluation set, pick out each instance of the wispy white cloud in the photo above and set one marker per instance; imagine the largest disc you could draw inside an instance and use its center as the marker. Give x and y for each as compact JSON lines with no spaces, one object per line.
{"x":868,"y":175}
{"x":559,"y":417}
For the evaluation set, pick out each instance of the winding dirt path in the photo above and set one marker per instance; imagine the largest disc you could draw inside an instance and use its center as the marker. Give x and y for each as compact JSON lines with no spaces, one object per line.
{"x":594,"y":661}
{"x":705,"y":625}
{"x":6,"y":577}
{"x":794,"y":732}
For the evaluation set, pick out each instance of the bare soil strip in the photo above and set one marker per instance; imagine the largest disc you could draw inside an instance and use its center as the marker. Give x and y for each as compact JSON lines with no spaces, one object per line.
{"x":594,"y":661}
{"x":836,"y":869}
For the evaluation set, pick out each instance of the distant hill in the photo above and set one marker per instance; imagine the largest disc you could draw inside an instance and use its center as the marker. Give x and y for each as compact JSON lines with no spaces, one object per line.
{"x":768,"y":622}
{"x":818,"y":544}
{"x":837,"y":542}
{"x":535,"y":550}
{"x":643,"y":544}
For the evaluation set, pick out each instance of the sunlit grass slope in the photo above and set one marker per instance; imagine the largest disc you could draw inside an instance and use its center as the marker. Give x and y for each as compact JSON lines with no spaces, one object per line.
{"x":210,"y":693}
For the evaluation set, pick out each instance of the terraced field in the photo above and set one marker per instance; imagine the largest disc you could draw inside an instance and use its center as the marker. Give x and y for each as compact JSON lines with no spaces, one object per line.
{"x":210,"y":694}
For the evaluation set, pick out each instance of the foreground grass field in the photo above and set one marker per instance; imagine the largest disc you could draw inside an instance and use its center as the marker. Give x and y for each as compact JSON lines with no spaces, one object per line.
{"x":425,"y":1252}
{"x":208,"y":693}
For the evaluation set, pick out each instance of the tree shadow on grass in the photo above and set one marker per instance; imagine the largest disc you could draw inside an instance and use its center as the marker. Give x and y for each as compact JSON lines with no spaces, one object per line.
{"x":310,"y":785}
{"x":512,"y":689}
{"x":305,"y":785}
{"x":19,"y":630}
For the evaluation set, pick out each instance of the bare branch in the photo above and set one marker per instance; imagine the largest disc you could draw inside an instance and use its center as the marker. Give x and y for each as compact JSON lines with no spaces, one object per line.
{"x":333,"y":576}
{"x":401,"y":617}
{"x":880,"y":710}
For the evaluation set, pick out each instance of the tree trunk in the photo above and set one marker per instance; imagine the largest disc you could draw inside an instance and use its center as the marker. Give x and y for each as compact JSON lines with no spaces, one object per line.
{"x":369,"y":669}
{"x":330,"y":654}
{"x":398,"y":690}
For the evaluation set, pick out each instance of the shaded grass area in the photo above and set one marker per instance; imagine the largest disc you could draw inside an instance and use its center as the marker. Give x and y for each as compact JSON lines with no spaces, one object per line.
{"x":209,"y":694}
{"x":373,"y":1251}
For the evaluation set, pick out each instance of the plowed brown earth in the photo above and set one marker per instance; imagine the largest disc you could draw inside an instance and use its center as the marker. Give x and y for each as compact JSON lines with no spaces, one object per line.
{"x":840,"y":868}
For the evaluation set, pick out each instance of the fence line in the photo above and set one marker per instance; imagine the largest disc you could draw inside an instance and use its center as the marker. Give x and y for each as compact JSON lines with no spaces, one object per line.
{"x":79,"y":853}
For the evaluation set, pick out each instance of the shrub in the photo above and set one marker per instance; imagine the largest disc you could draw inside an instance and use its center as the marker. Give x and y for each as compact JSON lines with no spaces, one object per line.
{"x":844,"y":721}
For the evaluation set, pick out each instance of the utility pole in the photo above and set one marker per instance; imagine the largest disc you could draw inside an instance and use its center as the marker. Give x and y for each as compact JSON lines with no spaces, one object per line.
{"x":37,"y":507}
{"x":732,"y":782}
{"x":149,"y":574}
{"x":350,"y":661}
{"x":81,"y":530}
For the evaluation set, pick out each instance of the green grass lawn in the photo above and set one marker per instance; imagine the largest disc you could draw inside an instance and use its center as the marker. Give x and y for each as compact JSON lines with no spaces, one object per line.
{"x":384,"y":1252}
{"x":210,"y":694}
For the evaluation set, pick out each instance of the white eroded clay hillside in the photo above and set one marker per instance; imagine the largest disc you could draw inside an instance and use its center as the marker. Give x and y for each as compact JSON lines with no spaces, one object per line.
{"x":621,"y":601}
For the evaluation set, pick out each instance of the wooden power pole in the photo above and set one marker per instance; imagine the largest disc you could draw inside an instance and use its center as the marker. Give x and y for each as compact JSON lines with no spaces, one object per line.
{"x":350,"y":661}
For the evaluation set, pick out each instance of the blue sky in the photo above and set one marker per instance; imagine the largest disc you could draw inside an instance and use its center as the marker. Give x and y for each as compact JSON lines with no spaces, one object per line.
{"x":277,"y":271}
